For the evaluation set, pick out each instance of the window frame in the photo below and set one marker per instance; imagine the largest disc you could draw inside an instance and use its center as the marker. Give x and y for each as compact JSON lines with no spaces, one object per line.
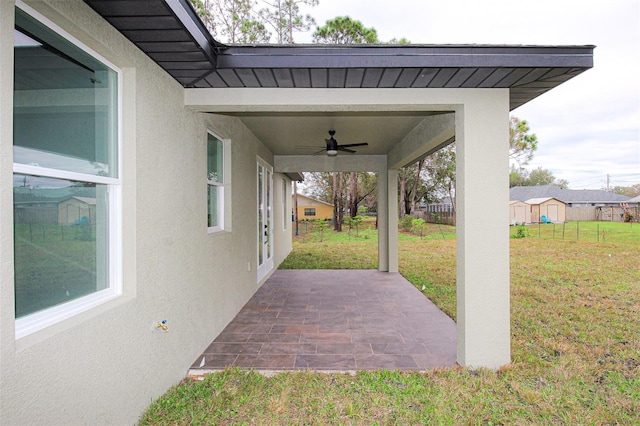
{"x":310,"y":211}
{"x":223,"y":188}
{"x":36,"y":321}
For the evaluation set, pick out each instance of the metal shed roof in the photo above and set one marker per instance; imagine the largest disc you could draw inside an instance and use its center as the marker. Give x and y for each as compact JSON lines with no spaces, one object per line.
{"x":171,"y":33}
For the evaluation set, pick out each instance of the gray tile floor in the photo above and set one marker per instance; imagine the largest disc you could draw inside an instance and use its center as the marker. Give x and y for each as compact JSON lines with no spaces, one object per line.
{"x":334,"y":320}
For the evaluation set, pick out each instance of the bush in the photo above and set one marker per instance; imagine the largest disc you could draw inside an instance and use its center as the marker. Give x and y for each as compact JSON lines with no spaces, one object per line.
{"x":406,"y":223}
{"x":419,"y":227}
{"x":521,"y":232}
{"x":628,"y":217}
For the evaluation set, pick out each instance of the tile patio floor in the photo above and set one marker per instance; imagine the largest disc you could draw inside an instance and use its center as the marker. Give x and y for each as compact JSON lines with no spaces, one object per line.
{"x":334,"y":320}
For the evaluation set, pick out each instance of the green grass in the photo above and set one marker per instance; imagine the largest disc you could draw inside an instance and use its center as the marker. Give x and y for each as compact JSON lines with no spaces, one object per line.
{"x":575,"y":350}
{"x":53,"y":265}
{"x":590,"y":231}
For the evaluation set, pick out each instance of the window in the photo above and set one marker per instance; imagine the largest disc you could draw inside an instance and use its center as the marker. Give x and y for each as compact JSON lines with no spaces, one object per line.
{"x":215,"y":183}
{"x":66,"y":185}
{"x":309,"y":211}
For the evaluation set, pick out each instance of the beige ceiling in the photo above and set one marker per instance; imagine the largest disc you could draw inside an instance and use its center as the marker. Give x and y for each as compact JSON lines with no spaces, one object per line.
{"x":305,"y":133}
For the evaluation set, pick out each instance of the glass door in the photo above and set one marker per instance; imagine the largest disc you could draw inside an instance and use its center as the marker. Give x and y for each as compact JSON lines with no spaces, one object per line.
{"x":265,"y":222}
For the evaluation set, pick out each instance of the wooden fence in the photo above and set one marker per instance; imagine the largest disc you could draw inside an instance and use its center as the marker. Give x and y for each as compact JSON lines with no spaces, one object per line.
{"x":580,"y":213}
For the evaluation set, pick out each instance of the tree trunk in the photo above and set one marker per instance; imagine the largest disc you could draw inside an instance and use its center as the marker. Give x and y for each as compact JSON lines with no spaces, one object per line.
{"x":353,"y":194}
{"x":403,"y":182}
{"x":295,"y":204}
{"x":338,"y":202}
{"x":414,"y":191}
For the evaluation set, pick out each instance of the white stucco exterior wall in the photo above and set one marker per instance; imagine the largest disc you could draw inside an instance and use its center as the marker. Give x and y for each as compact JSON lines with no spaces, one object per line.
{"x":106,"y":365}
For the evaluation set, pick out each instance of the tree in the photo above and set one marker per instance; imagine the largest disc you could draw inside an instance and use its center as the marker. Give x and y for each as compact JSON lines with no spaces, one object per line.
{"x":344,"y":30}
{"x":338,"y":200}
{"x":523,"y":177}
{"x":410,"y":183}
{"x":522,"y":144}
{"x":235,"y":21}
{"x":442,"y":171}
{"x":285,"y":18}
{"x":630,"y":191}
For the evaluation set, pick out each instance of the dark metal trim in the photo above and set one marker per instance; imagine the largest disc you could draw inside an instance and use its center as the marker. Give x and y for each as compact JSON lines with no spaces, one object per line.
{"x":415,"y":56}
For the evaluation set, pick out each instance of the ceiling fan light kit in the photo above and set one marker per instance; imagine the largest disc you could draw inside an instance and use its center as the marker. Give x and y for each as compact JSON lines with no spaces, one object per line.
{"x":333,"y":147}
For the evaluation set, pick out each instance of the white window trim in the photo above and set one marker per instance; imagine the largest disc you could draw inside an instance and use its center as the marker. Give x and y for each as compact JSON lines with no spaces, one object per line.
{"x":224,"y":187}
{"x":40,"y":320}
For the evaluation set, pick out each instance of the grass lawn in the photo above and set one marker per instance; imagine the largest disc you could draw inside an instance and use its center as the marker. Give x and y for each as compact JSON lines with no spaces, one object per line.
{"x":575,"y":349}
{"x":589,"y":231}
{"x":53,"y":265}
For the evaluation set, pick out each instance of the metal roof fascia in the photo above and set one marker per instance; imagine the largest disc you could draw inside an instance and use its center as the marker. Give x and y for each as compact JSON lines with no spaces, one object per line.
{"x":404,"y":57}
{"x":187,"y":16}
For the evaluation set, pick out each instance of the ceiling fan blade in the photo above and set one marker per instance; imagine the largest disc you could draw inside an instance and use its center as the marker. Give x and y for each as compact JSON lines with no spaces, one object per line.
{"x":320,"y":152}
{"x":355,"y":144}
{"x":306,"y":146}
{"x":342,"y":148}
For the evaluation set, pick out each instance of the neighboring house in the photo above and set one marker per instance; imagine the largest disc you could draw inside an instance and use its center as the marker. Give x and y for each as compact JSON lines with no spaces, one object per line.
{"x":310,"y":208}
{"x":634,"y":202}
{"x":571,"y":197}
{"x":187,"y":147}
{"x":549,"y":208}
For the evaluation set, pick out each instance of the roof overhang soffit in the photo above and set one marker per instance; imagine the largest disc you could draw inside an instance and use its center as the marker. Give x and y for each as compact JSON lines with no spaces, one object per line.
{"x":168,"y":31}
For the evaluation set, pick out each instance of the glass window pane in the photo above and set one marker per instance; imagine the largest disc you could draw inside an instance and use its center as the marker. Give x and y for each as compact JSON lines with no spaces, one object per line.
{"x":212,"y":203}
{"x":60,"y":241}
{"x":65,"y":103}
{"x":214,"y":159}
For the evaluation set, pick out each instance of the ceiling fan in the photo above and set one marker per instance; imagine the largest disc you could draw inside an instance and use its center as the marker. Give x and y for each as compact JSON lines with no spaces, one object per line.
{"x":333,"y":147}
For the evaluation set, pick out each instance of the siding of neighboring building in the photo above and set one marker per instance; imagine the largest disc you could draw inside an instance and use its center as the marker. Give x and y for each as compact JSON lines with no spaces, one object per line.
{"x":310,"y":208}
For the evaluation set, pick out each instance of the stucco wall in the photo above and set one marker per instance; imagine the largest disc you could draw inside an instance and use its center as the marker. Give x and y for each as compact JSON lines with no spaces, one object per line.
{"x":106,"y":365}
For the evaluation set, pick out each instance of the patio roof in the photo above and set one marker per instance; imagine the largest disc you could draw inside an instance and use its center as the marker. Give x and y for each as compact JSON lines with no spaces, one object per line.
{"x":171,"y":33}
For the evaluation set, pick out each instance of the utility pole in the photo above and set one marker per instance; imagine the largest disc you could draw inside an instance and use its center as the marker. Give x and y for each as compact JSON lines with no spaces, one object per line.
{"x":608,"y":177}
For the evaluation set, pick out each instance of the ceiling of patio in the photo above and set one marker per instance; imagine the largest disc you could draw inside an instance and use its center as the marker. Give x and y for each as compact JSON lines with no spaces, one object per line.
{"x":305,"y":133}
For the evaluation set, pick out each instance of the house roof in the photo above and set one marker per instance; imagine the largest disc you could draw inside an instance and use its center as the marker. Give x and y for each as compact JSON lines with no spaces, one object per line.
{"x":313,"y":199}
{"x":565,"y":195}
{"x":634,"y":200}
{"x":172,"y":34}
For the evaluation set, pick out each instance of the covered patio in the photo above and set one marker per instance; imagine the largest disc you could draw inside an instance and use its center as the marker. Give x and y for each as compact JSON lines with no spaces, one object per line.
{"x":334,"y":320}
{"x":397,"y":103}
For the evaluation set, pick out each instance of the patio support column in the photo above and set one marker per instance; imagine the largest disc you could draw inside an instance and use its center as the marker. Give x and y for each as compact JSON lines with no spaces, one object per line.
{"x":383,"y":221}
{"x":482,"y":170}
{"x":392,"y":183}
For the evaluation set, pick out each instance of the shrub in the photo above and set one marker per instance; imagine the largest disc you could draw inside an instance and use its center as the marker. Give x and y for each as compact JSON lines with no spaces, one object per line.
{"x":419,"y":227}
{"x":628,"y":217}
{"x":521,"y":232}
{"x":406,"y":223}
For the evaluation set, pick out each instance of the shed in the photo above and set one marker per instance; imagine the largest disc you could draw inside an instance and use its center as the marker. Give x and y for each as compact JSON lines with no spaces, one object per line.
{"x":310,"y":208}
{"x":73,"y":209}
{"x":519,"y":212}
{"x":552,"y":208}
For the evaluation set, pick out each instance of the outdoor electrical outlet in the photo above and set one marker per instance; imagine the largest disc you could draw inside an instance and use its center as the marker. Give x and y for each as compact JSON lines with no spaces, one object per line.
{"x":160,"y":326}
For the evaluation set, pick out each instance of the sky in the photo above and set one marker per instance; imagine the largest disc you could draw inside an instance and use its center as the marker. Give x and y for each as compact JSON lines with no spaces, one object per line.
{"x":588,"y":127}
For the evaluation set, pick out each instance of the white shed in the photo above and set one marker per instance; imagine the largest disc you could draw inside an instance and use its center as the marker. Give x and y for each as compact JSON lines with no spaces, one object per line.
{"x":553,"y":210}
{"x":519,"y":212}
